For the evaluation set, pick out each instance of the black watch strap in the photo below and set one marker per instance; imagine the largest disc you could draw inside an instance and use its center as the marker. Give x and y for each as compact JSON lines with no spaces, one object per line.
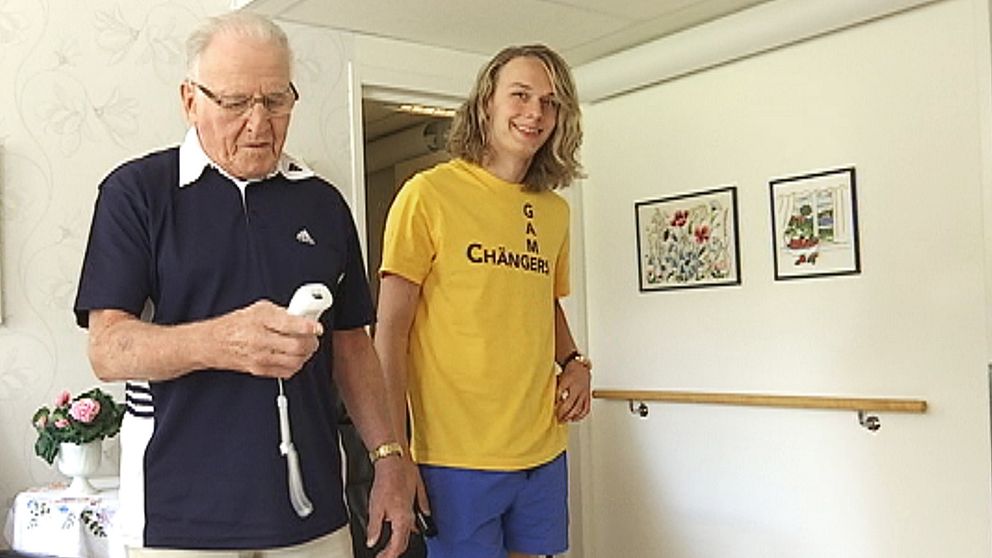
{"x":569,"y":358}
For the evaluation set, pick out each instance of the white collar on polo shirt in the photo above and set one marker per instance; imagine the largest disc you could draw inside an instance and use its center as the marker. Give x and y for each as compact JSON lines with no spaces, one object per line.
{"x":193,"y":159}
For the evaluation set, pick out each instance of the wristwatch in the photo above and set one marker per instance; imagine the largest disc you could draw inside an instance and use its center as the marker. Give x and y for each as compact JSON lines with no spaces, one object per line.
{"x":385,"y":450}
{"x":577,"y":357}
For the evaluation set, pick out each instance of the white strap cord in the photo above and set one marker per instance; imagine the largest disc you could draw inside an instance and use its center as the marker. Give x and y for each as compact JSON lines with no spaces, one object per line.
{"x":297,"y":494}
{"x":310,"y":300}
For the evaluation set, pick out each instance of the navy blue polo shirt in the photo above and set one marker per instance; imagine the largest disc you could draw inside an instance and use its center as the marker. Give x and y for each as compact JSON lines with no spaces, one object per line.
{"x":213,"y":474}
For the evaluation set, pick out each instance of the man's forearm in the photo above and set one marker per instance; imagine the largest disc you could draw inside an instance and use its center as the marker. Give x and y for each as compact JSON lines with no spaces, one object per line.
{"x":123,"y":347}
{"x":261,"y":339}
{"x":392,"y":350}
{"x":359,"y":380}
{"x":398,"y":300}
{"x":564,"y":342}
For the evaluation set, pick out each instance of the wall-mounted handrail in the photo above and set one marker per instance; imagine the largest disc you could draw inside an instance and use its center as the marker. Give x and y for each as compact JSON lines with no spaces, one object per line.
{"x":763,"y":400}
{"x":860,"y":404}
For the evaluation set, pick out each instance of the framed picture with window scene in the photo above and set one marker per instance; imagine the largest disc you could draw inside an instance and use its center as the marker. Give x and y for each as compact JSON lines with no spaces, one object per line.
{"x":815,"y":225}
{"x":688,"y":240}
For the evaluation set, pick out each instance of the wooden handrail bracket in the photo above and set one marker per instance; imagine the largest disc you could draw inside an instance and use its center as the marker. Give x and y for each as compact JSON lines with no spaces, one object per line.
{"x":764,"y":400}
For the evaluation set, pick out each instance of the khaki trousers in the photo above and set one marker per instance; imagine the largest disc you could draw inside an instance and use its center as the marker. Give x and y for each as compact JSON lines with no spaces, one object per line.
{"x":334,"y":545}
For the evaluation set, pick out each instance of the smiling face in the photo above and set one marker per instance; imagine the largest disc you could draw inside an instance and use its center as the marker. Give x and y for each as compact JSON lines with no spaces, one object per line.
{"x":246,"y":145}
{"x":522,"y":114}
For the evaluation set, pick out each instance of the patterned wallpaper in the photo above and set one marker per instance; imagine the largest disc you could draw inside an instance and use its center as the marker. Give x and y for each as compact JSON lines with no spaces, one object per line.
{"x":83,"y":87}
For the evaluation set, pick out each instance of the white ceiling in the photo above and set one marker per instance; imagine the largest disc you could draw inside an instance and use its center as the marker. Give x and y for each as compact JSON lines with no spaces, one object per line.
{"x":581,"y":30}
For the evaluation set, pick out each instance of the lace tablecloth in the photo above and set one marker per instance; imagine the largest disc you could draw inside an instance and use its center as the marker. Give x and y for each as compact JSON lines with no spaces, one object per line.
{"x":49,"y":521}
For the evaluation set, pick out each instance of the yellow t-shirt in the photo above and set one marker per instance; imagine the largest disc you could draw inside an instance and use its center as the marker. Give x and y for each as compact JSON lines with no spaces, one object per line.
{"x":491,"y":260}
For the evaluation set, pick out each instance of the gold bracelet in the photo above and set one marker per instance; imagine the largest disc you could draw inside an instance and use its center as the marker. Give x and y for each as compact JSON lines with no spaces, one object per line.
{"x":385,"y":450}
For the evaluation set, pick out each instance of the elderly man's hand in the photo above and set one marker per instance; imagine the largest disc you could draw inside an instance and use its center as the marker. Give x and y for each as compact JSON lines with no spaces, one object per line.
{"x":393,"y":489}
{"x":265,"y":340}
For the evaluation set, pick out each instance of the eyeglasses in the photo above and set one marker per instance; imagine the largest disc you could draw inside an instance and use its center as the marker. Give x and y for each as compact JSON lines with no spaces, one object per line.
{"x":277,"y":104}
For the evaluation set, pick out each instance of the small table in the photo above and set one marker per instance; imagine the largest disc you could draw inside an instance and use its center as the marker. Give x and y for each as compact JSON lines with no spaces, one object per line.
{"x":49,"y":521}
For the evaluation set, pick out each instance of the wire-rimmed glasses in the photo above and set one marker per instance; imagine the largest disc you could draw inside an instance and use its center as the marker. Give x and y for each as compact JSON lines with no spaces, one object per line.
{"x":277,"y":104}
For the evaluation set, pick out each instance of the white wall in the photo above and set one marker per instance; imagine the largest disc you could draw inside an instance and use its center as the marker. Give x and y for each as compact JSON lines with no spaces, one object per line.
{"x":902,"y":100}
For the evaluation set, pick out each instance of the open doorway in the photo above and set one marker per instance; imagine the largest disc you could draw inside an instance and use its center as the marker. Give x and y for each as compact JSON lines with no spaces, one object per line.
{"x":400,"y":141}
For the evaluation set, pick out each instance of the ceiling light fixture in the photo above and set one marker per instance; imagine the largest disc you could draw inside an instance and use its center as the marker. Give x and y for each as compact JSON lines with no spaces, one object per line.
{"x":426,"y":110}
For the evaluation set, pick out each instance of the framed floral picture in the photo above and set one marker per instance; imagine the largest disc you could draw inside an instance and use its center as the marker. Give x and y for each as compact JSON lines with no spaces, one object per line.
{"x":815,"y":225}
{"x":688,"y":240}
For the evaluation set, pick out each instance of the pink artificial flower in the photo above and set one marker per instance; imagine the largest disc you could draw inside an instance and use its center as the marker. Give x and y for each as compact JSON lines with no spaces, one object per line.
{"x":63,"y":399}
{"x":84,"y":410}
{"x":61,"y":423}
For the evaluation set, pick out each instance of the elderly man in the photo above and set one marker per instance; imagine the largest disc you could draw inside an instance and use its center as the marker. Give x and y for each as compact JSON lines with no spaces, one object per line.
{"x":207,"y":243}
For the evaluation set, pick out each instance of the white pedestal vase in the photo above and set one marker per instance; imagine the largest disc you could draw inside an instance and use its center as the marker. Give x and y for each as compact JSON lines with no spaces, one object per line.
{"x":79,"y":461}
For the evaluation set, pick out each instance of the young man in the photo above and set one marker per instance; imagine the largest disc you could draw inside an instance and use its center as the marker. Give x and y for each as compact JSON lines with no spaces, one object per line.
{"x":469,"y":326}
{"x":209,"y":240}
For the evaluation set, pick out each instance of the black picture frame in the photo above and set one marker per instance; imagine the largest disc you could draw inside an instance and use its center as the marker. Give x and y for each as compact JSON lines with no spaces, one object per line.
{"x":688,"y":240}
{"x":815,"y":224}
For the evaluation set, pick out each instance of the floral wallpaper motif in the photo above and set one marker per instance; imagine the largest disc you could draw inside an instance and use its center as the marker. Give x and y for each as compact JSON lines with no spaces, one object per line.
{"x":12,"y":23}
{"x":88,"y":85}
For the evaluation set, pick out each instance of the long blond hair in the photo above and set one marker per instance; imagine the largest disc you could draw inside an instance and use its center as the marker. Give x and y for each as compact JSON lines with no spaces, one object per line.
{"x":555,"y":165}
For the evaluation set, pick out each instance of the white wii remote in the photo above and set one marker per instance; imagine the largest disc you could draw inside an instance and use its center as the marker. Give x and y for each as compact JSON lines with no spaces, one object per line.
{"x":311,"y":300}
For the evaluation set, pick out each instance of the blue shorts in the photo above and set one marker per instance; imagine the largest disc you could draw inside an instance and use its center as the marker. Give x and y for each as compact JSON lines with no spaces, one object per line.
{"x":485,"y":514}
